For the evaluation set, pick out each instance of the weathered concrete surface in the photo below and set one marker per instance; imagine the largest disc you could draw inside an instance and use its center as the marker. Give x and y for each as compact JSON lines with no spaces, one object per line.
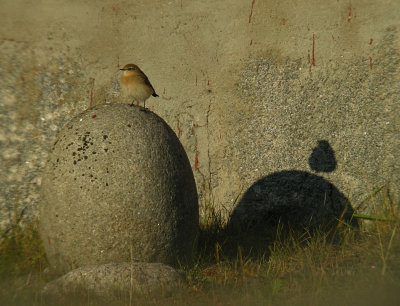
{"x":250,"y":87}
{"x":114,"y":281}
{"x":117,"y":186}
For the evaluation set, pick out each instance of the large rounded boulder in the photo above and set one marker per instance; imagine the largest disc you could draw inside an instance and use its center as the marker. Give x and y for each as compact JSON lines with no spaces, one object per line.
{"x":117,"y":187}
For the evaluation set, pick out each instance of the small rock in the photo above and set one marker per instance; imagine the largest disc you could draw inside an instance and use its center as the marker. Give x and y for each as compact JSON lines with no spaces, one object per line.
{"x":115,"y":280}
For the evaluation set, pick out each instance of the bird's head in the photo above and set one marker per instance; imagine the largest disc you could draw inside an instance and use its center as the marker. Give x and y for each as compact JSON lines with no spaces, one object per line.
{"x":130,"y":67}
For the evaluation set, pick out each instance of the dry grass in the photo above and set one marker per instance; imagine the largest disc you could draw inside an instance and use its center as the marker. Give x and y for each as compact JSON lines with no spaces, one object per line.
{"x":21,"y":251}
{"x":342,"y":267}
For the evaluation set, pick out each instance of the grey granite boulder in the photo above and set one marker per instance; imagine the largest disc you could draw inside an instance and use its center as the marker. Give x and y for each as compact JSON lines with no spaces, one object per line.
{"x":115,"y":281}
{"x":117,"y":187}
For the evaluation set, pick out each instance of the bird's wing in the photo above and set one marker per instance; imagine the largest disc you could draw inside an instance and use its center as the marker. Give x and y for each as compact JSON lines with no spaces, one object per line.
{"x":147,"y":82}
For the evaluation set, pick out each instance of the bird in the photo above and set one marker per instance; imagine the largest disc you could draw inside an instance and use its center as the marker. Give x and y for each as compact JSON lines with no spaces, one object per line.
{"x":136,"y":85}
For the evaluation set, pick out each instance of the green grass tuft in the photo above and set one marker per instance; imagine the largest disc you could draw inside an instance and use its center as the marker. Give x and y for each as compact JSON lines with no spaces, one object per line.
{"x":21,"y":251}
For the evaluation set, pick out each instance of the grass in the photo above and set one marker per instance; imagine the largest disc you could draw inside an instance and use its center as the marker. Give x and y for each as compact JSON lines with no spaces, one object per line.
{"x":21,"y":251}
{"x":344,"y":266}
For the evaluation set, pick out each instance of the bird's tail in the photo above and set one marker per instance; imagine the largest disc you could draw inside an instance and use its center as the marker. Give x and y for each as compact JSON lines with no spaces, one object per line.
{"x":155,"y":95}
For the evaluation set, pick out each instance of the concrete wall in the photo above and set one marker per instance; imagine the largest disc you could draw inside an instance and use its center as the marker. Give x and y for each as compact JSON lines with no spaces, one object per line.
{"x":250,"y":87}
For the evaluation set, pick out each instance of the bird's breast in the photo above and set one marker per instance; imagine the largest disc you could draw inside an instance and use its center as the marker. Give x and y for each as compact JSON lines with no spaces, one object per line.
{"x":135,"y":87}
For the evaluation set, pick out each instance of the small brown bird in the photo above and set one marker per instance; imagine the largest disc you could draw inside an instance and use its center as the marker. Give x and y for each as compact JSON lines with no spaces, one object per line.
{"x":136,"y":85}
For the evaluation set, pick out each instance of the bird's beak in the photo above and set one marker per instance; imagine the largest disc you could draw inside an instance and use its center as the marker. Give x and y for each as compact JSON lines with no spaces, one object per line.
{"x":122,"y":69}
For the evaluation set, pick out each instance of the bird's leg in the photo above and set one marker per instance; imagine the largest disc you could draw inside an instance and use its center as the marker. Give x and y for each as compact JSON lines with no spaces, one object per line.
{"x":144,"y":109}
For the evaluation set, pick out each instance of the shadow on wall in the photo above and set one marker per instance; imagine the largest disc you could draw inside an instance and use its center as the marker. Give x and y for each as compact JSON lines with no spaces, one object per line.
{"x":322,"y":158}
{"x":295,"y":200}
